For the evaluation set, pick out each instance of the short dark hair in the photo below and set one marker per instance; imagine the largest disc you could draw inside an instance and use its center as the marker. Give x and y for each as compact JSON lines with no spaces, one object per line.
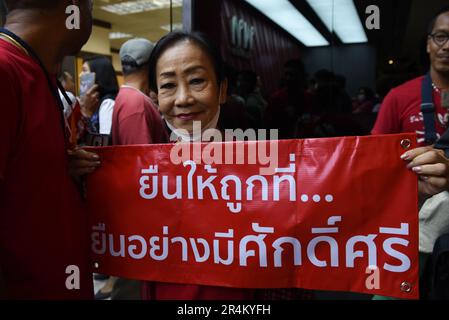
{"x":31,"y":4}
{"x":435,"y":17}
{"x":197,"y":38}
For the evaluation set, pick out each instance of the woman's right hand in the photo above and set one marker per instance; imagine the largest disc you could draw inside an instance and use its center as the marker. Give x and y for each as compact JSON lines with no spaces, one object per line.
{"x":90,"y":102}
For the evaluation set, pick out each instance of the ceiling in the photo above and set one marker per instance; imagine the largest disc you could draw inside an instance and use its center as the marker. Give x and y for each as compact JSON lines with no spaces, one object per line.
{"x":403,"y":26}
{"x":145,"y":24}
{"x":402,"y":33}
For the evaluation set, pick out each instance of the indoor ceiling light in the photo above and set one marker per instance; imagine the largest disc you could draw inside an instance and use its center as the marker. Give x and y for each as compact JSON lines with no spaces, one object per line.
{"x":340,"y":16}
{"x":130,"y":7}
{"x":176,"y":27}
{"x":284,"y":14}
{"x":119,"y":35}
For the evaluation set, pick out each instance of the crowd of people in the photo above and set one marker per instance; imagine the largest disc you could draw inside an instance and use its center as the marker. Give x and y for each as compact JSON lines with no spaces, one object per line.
{"x":167,"y":86}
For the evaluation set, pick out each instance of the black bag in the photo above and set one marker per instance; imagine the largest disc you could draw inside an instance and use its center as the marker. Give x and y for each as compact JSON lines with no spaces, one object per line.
{"x":439,"y":264}
{"x":98,"y":140}
{"x":439,"y":284}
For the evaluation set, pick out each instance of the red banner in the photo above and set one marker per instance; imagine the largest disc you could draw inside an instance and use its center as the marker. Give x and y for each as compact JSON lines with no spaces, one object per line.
{"x":335,"y":214}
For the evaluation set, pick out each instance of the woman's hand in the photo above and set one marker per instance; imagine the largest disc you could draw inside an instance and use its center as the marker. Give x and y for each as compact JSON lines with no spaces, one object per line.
{"x":90,"y":102}
{"x":82,"y":162}
{"x":432,"y":168}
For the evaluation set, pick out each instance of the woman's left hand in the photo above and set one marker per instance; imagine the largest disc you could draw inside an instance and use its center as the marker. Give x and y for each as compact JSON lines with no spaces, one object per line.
{"x":432,"y":168}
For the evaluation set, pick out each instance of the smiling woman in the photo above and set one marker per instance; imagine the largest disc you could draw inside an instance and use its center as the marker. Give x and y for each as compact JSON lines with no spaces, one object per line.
{"x":186,"y":72}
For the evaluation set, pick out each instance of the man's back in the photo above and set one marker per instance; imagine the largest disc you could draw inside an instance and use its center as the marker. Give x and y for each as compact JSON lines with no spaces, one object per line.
{"x":43,"y":226}
{"x":136,"y":120}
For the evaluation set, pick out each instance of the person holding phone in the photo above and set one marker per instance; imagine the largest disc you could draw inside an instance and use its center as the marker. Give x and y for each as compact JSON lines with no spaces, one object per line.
{"x":100,"y":70}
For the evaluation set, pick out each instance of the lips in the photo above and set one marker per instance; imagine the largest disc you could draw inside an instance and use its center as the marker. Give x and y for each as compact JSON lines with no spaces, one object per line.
{"x":188,"y":116}
{"x":444,"y":57}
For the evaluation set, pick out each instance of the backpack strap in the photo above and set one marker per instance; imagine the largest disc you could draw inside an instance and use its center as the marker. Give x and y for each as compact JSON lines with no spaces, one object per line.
{"x":440,"y":265}
{"x":428,"y":110}
{"x":443,"y":143}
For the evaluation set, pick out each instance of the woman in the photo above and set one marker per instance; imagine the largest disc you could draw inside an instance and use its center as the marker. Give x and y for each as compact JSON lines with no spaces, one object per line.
{"x":186,"y":74}
{"x":106,"y":79}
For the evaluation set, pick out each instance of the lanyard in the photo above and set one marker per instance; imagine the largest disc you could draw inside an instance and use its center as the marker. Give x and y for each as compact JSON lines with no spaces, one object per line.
{"x":428,"y":109}
{"x":54,"y":90}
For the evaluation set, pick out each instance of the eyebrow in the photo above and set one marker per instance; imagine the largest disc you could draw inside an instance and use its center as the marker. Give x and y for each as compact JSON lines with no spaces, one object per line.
{"x":187,"y":71}
{"x":446,"y":31}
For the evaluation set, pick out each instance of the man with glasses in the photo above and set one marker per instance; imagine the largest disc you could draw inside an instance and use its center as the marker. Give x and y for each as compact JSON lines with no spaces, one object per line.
{"x":44,"y":236}
{"x":421,"y":106}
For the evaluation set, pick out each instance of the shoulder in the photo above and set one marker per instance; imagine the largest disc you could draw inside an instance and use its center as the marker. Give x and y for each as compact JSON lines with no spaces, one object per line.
{"x":131,"y":101}
{"x":404,"y":96}
{"x":107,"y":105}
{"x":410,"y":88}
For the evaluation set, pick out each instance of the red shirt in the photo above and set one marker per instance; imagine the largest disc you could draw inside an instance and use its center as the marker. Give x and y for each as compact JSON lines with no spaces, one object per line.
{"x":43,"y":225}
{"x":401,"y":112}
{"x":136,"y":120}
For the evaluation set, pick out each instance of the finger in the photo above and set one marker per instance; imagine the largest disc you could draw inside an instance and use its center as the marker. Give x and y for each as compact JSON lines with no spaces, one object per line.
{"x":438,"y":183}
{"x":92,"y":89}
{"x":79,"y":164}
{"x":436,"y":170}
{"x":83,"y":154}
{"x":83,"y":171}
{"x":430,"y":157}
{"x":411,"y":154}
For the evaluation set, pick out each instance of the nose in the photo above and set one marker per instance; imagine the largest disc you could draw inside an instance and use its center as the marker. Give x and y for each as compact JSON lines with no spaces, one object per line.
{"x":183,"y":98}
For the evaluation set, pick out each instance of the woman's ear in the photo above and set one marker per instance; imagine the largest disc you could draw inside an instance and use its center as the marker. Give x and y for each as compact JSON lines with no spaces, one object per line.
{"x":223,"y":91}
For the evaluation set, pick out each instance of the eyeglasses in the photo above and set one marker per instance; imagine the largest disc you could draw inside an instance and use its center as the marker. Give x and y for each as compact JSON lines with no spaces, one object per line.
{"x":440,"y":38}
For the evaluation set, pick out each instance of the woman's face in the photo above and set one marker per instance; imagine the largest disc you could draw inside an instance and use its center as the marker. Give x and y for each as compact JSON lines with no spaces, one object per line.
{"x":85,"y":69}
{"x":187,"y":85}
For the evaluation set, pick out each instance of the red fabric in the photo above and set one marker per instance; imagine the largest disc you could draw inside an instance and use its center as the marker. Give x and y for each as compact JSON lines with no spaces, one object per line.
{"x":401,"y":112}
{"x":43,"y":226}
{"x":135,"y":119}
{"x":141,"y":232}
{"x":76,"y":125}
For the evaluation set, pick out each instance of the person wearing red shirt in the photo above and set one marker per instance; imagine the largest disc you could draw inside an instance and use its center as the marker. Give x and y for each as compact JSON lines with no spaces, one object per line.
{"x":136,"y":119}
{"x":44,"y":248}
{"x":401,"y":112}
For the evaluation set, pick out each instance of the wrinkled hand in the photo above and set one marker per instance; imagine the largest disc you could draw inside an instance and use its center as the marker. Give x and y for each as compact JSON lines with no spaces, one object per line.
{"x":90,"y":102}
{"x":82,"y":162}
{"x":432,"y":168}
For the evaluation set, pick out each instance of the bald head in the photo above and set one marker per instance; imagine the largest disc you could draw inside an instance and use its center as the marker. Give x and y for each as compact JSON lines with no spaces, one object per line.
{"x":40,"y":21}
{"x":32,"y":4}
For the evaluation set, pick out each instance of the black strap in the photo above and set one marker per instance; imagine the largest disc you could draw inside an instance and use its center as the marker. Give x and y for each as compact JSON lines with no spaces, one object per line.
{"x":443,"y":143}
{"x":53,"y":89}
{"x":428,"y":110}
